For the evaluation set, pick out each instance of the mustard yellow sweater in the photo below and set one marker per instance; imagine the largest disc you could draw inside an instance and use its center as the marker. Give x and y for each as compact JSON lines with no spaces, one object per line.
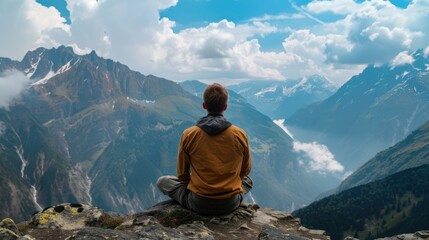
{"x":213,"y":165}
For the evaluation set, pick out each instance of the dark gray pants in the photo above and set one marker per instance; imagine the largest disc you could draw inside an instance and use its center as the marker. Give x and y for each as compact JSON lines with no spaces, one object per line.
{"x":177,"y":190}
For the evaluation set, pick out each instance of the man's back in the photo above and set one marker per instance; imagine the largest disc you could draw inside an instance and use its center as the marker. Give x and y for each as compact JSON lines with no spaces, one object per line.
{"x":218,"y":162}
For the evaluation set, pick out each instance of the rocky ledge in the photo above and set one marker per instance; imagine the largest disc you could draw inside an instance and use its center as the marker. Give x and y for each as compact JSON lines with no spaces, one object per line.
{"x":166,"y":220}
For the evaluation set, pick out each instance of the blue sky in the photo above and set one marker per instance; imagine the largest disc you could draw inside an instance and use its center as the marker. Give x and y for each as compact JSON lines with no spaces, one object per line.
{"x":224,"y":40}
{"x":198,"y":13}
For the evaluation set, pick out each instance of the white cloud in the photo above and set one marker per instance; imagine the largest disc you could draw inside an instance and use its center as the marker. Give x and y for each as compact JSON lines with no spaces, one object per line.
{"x":26,"y":25}
{"x":164,"y":4}
{"x":317,"y":156}
{"x":132,"y":32}
{"x":375,"y":31}
{"x":280,"y":123}
{"x":401,"y":59}
{"x":268,"y":17}
{"x":321,"y":159}
{"x":12,"y":83}
{"x":342,"y":7}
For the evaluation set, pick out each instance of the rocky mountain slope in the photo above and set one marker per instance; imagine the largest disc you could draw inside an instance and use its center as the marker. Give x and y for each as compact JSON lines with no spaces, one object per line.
{"x":393,"y":205}
{"x":372,"y":111}
{"x":33,"y":170}
{"x":115,"y":131}
{"x":411,"y":152}
{"x":280,"y":99}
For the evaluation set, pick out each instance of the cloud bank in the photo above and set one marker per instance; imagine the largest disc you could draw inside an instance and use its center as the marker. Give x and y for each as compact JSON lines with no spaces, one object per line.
{"x":12,"y":83}
{"x":315,"y":156}
{"x":133,"y":33}
{"x":321,"y":159}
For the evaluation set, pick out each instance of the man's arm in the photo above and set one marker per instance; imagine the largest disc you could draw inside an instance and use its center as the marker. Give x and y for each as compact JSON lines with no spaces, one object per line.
{"x":183,"y":164}
{"x":246,"y":166}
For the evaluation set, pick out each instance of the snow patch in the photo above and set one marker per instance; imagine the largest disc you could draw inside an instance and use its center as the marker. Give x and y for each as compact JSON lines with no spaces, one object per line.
{"x":162,"y":127}
{"x":243,"y":90}
{"x":367,"y":92}
{"x":20,"y":151}
{"x":52,"y":74}
{"x":29,"y":72}
{"x":265,"y":90}
{"x":141,"y":101}
{"x":34,"y":196}
{"x":88,"y":186}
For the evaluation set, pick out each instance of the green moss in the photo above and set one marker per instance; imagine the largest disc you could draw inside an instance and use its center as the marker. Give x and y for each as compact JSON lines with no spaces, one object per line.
{"x":177,"y":217}
{"x":108,"y":221}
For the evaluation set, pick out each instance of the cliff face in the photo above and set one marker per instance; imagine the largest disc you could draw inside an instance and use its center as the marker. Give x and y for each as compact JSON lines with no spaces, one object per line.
{"x":166,"y":220}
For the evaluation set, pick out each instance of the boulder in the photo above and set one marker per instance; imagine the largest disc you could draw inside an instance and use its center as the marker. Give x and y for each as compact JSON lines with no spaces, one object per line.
{"x":67,"y":216}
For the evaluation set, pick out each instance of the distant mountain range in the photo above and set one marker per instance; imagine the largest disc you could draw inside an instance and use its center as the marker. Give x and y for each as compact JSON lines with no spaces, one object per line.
{"x":372,"y":111}
{"x":280,"y":99}
{"x":91,"y":130}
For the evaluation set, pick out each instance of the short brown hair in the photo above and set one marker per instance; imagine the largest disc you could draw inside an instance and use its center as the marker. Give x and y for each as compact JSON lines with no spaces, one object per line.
{"x":215,"y":98}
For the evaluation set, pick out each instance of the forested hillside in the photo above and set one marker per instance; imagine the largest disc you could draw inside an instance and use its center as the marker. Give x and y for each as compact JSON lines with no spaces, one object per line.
{"x":396,"y":204}
{"x":411,"y":152}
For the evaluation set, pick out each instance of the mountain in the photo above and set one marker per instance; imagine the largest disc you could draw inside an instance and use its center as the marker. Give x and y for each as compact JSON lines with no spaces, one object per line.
{"x":372,"y":111}
{"x":411,"y":152}
{"x":396,"y":204}
{"x":280,"y":99}
{"x":33,"y":171}
{"x":111,"y":132}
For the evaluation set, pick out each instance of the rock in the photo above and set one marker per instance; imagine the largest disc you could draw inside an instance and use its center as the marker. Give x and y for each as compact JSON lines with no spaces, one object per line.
{"x":9,"y":224}
{"x":422,"y":234}
{"x":94,"y":233}
{"x":406,"y":236}
{"x":6,"y":234}
{"x":196,"y":230}
{"x":67,"y":216}
{"x":317,"y":232}
{"x":272,"y":233}
{"x":166,"y":220}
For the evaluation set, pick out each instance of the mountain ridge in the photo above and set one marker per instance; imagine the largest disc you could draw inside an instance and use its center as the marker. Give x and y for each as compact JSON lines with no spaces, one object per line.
{"x":118,"y":131}
{"x":368,"y":113}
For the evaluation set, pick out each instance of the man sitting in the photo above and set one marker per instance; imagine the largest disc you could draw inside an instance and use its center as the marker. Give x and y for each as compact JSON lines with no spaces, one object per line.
{"x":213,"y":161}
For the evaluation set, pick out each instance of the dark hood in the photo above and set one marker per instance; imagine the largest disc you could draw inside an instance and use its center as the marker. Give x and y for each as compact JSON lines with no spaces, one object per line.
{"x":213,"y":124}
